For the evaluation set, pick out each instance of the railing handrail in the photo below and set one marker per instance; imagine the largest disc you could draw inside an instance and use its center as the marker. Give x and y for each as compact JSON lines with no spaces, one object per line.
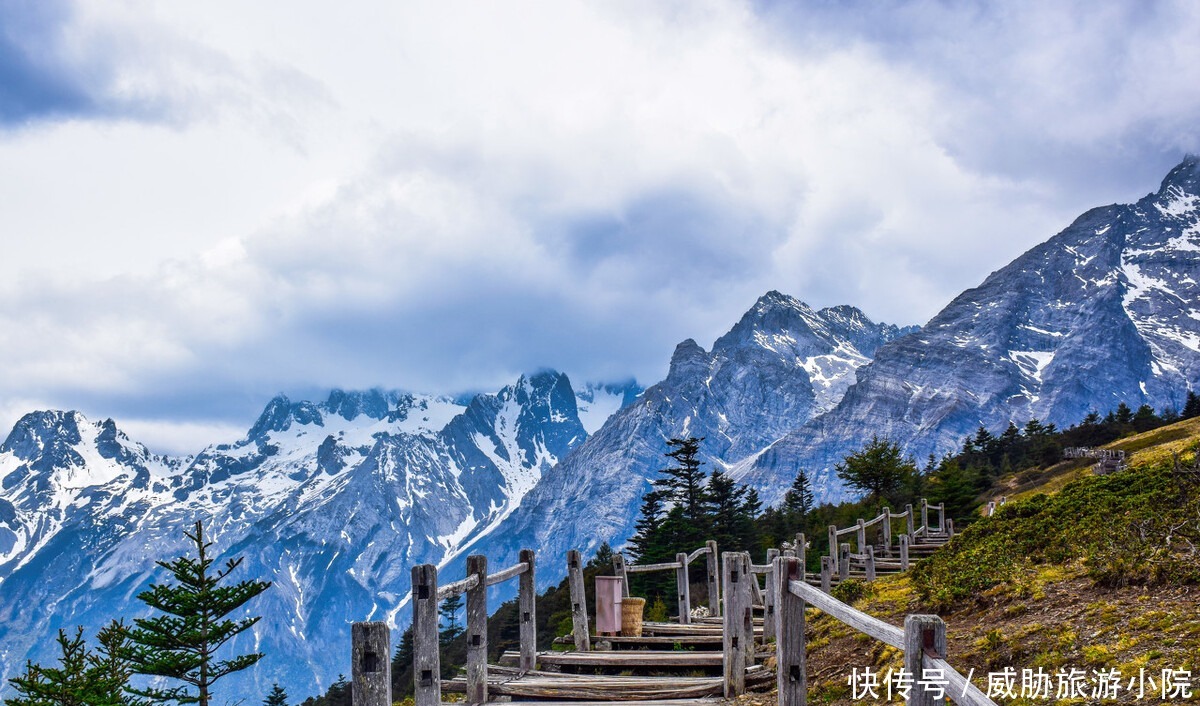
{"x":922,"y":640}
{"x":958,"y":688}
{"x":884,"y":632}
{"x":511,"y":572}
{"x":457,"y":588}
{"x":646,"y":568}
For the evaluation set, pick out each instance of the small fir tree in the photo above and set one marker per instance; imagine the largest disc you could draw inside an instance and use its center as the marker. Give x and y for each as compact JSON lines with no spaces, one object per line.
{"x":182,"y":643}
{"x":82,"y":678}
{"x":277,"y":697}
{"x":448,"y":614}
{"x":798,"y":503}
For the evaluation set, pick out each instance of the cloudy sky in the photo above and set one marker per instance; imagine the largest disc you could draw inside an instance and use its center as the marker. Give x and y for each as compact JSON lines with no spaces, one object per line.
{"x":205,"y":203}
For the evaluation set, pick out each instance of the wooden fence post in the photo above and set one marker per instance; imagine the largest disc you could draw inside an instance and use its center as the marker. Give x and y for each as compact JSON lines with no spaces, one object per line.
{"x":371,"y":664}
{"x":746,"y":601}
{"x":527,"y":604}
{"x":791,"y":676}
{"x":826,"y":574}
{"x":870,"y":563}
{"x":950,"y":527}
{"x":427,"y":662}
{"x":619,"y":570}
{"x":942,"y":516}
{"x":683,"y":586}
{"x":925,"y":515}
{"x":921,"y":633}
{"x":910,"y":521}
{"x":887,"y":531}
{"x":579,"y":616}
{"x":477,"y":614}
{"x":861,"y":536}
{"x":844,"y":561}
{"x":714,"y":578}
{"x":771,"y":599}
{"x":904,"y":552}
{"x":802,"y":551}
{"x":833,"y":543}
{"x":733,"y":576}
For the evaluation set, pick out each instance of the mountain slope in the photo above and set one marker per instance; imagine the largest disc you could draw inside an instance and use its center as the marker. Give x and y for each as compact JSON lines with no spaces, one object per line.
{"x":1107,"y":311}
{"x":780,"y":365}
{"x":333,"y":502}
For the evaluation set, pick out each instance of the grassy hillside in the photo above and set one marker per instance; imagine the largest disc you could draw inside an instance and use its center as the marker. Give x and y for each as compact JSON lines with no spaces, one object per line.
{"x":1077,"y":571}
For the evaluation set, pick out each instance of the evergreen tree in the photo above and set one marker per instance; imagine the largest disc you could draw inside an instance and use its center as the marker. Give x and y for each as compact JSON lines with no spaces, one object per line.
{"x":647,"y":543}
{"x":1123,"y":415}
{"x":879,"y":469}
{"x":448,"y":613}
{"x":683,"y":486}
{"x":1191,"y":408}
{"x":798,"y":504}
{"x":182,"y":643}
{"x":82,"y":678}
{"x":277,"y":697}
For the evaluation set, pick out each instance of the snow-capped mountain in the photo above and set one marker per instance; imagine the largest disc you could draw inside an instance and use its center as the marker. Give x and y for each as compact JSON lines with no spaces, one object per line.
{"x":1107,"y":311}
{"x":779,"y":366}
{"x":333,"y":502}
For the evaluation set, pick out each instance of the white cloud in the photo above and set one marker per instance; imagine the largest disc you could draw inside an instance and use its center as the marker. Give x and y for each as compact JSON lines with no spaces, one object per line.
{"x":439,"y":196}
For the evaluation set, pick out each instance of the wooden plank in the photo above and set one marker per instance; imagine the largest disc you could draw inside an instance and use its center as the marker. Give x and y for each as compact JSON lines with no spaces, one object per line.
{"x":843,"y":561}
{"x":770,"y":597}
{"x":958,"y":689}
{"x":619,"y":570}
{"x":659,"y":702}
{"x":370,"y":660}
{"x":502,"y":576}
{"x":527,"y":605}
{"x":579,"y":616}
{"x":683,"y":588}
{"x":666,"y":641}
{"x":921,"y":633}
{"x":477,"y":613}
{"x":714,"y":578}
{"x":643,"y":568}
{"x":734,"y":576}
{"x":427,"y":665}
{"x":632,"y":658}
{"x":457,"y":588}
{"x":791,"y":676}
{"x":876,"y":628}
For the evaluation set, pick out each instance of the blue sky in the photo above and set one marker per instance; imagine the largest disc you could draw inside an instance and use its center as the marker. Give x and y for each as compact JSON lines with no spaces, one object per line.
{"x":207,"y":203}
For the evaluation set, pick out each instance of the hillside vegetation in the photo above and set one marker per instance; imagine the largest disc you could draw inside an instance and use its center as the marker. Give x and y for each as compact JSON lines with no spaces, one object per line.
{"x":1077,"y":571}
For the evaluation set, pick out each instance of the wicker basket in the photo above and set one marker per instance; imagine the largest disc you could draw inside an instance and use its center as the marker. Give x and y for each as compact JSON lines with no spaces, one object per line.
{"x":631,"y":616}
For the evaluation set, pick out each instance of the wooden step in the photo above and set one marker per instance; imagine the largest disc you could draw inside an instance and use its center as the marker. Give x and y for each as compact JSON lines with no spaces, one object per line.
{"x":504,"y":681}
{"x":626,"y":659}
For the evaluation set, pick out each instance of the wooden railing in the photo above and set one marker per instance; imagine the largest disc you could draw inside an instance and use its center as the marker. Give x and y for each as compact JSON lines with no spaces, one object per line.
{"x":923,"y":641}
{"x":427,"y":596}
{"x":840,"y":556}
{"x":682,"y":578}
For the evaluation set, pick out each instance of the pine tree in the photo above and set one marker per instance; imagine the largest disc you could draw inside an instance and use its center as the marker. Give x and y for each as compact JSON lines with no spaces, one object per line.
{"x":182,"y":643}
{"x":1191,"y":407}
{"x":647,"y":543}
{"x":448,"y":612}
{"x":277,"y":697}
{"x":682,"y":486}
{"x":798,"y":503}
{"x":82,"y":678}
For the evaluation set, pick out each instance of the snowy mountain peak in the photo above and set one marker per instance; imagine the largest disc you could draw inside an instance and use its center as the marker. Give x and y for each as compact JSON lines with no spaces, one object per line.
{"x":687,"y":359}
{"x":1184,"y":178}
{"x":42,"y":432}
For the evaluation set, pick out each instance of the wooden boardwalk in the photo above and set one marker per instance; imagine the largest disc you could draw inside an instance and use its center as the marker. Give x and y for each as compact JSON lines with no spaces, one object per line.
{"x":694,"y":661}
